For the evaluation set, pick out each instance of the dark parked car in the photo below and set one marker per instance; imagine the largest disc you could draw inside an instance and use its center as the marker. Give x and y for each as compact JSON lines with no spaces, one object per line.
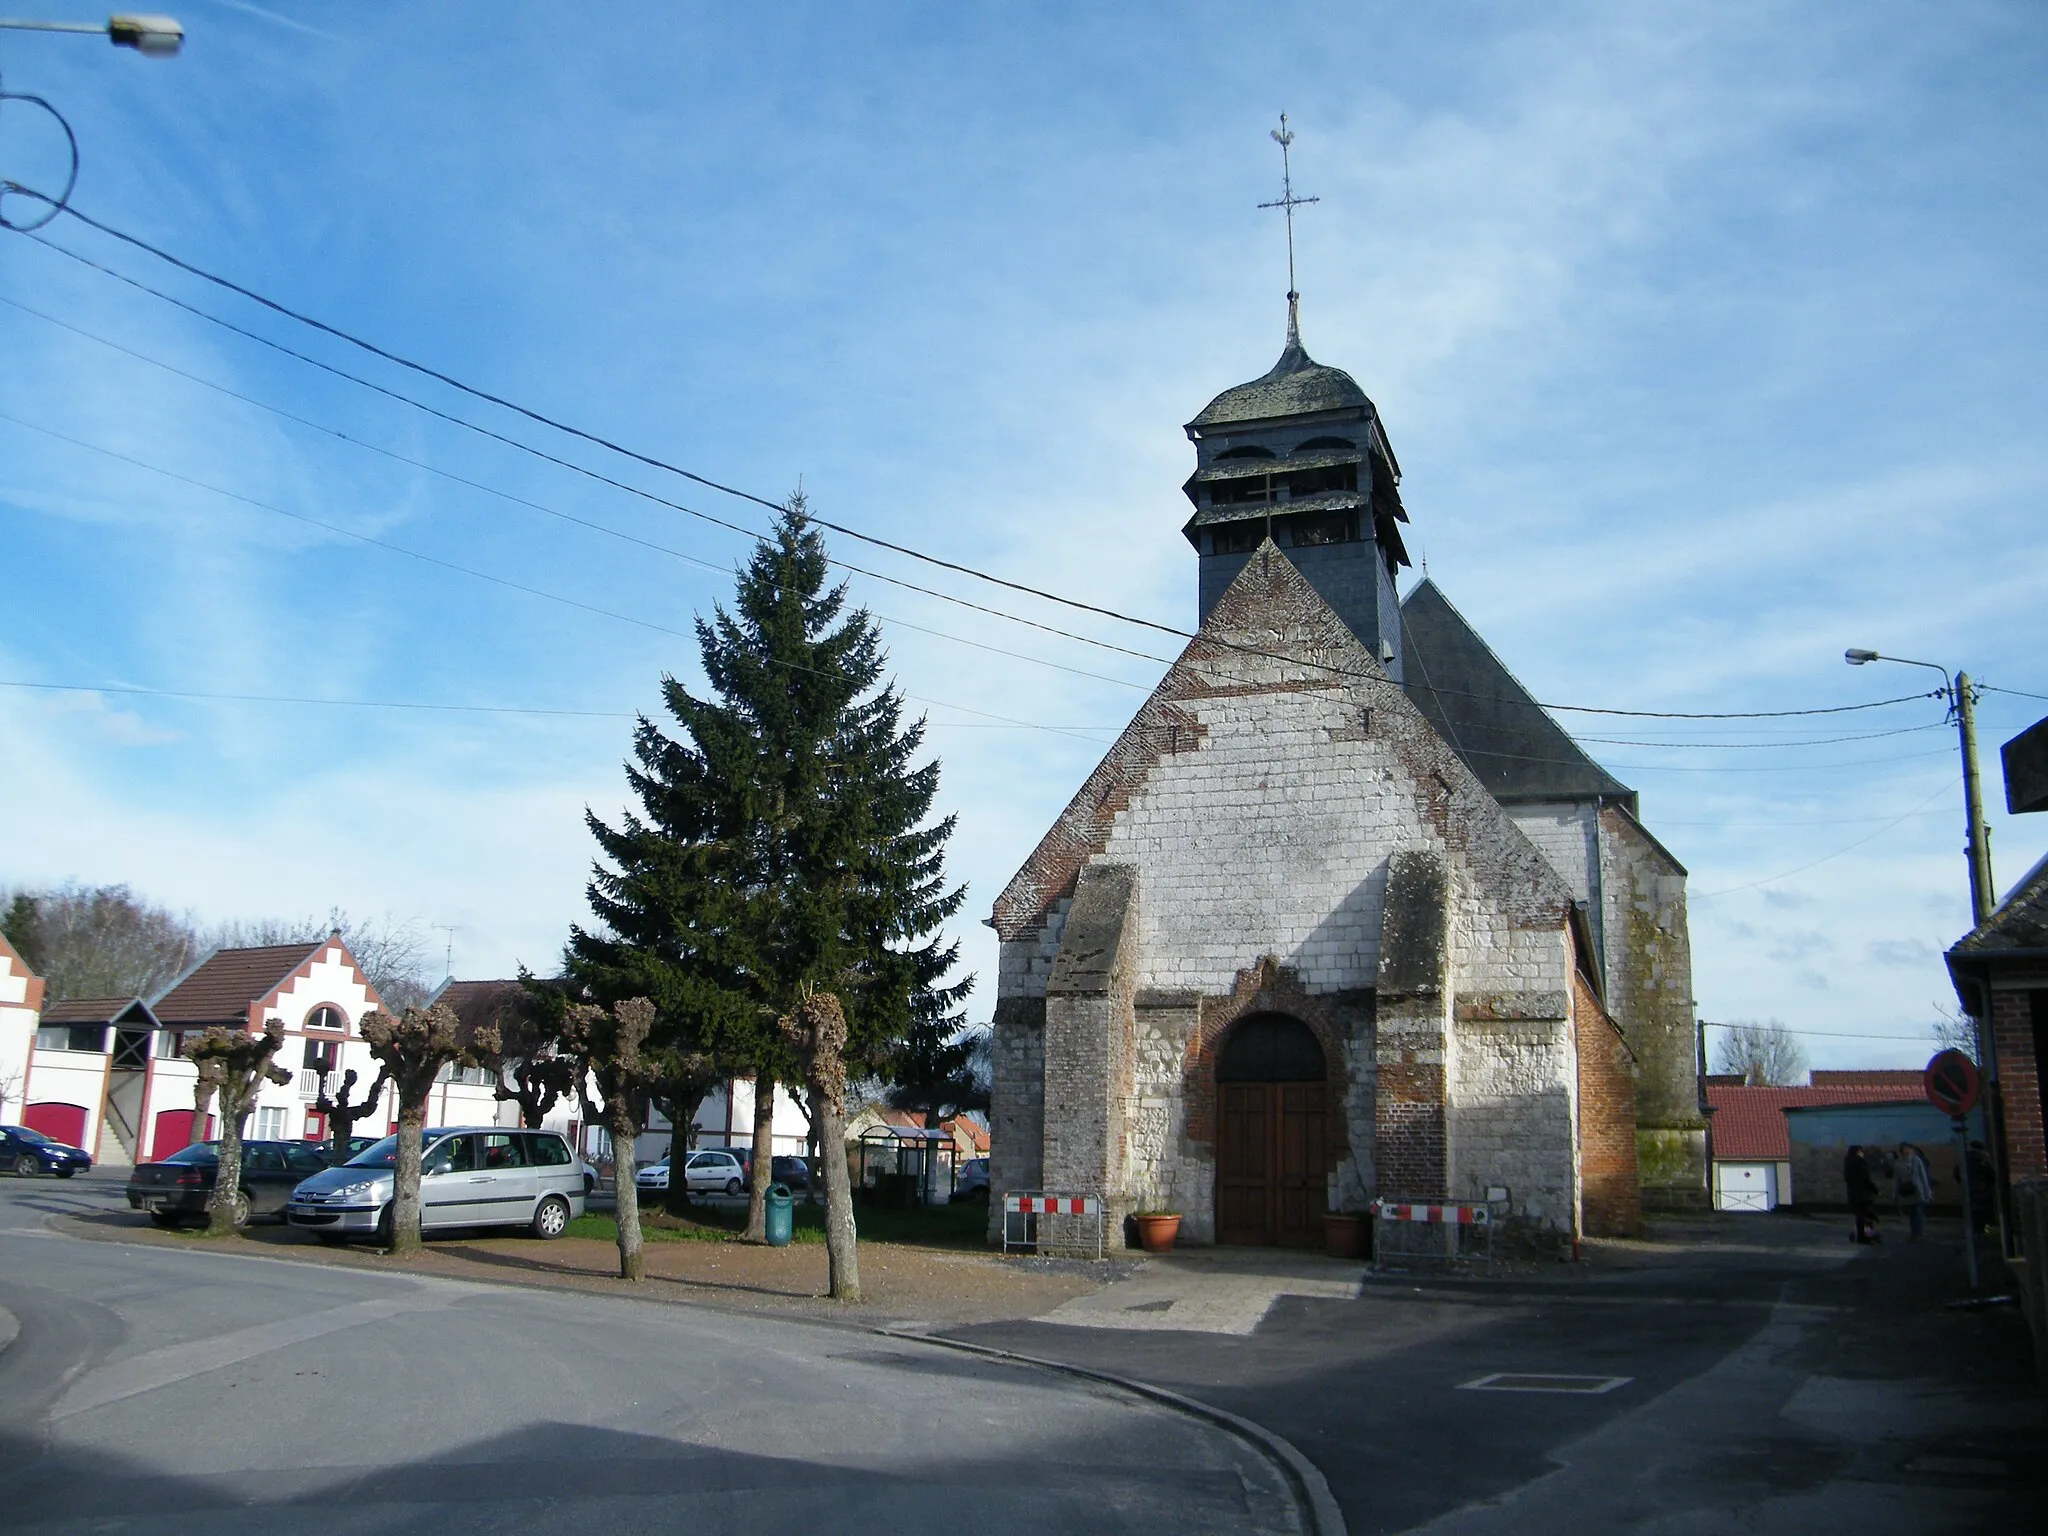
{"x":973,"y":1182}
{"x":179,"y":1188}
{"x":24,"y":1152}
{"x":792,"y":1171}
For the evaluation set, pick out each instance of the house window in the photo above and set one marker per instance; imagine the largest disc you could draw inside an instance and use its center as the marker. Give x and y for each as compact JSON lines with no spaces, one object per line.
{"x":327,"y":1016}
{"x":170,"y":1044}
{"x":321,"y":1055}
{"x":72,"y":1037}
{"x":270,"y":1123}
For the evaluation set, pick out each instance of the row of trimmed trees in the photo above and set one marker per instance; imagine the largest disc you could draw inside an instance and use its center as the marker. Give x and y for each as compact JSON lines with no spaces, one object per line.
{"x":771,"y":906}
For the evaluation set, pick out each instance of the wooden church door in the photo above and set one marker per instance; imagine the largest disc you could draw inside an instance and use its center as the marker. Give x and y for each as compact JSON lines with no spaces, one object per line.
{"x":1271,"y":1135}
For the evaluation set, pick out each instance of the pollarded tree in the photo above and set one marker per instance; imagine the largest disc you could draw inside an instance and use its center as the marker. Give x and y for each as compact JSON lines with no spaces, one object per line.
{"x":816,"y":1032}
{"x":1763,"y":1055}
{"x":345,"y":1112}
{"x":608,"y":1046}
{"x":412,"y":1049}
{"x":241,"y":1063}
{"x":781,"y":844}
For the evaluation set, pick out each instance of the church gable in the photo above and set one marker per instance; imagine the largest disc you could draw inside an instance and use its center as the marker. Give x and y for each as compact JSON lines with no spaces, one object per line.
{"x":1263,"y":787}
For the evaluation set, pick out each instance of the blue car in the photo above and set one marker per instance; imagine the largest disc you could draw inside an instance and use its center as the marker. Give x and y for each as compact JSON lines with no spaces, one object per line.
{"x":24,"y":1153}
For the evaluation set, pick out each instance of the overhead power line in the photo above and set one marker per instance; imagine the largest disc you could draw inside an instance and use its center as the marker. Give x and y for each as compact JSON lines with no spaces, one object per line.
{"x":485,"y":576}
{"x":129,"y":690}
{"x":665,"y":466}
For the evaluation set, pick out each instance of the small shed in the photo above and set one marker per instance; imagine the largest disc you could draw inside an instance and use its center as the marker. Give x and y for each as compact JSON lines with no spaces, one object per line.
{"x":905,"y":1164}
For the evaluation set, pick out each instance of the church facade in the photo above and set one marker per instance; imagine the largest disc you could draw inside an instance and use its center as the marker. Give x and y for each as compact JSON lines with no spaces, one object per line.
{"x":1343,"y":914}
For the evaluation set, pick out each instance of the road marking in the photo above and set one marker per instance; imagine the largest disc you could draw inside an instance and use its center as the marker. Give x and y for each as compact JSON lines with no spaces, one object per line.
{"x":1525,"y":1381}
{"x":163,"y":1367}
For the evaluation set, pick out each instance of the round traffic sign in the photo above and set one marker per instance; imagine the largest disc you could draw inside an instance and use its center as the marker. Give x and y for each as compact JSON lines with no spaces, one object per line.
{"x":1952,"y":1084}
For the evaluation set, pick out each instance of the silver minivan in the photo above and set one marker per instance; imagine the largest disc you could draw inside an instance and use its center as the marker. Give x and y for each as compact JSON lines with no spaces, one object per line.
{"x":470,"y":1176}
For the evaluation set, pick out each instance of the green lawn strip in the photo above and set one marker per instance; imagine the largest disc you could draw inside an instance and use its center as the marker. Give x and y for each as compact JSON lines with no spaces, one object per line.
{"x":945,"y":1226}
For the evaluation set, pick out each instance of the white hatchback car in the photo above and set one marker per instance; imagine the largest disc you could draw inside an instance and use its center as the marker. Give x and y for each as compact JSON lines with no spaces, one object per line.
{"x":714,"y":1172}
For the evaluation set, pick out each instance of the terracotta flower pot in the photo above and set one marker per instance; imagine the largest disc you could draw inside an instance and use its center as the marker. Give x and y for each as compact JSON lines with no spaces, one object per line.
{"x":1344,"y":1235}
{"x":1157,"y":1233}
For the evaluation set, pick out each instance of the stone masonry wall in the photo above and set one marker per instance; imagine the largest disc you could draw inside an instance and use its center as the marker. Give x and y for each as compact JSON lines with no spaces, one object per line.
{"x":1262,"y":796}
{"x":1016,"y":1111}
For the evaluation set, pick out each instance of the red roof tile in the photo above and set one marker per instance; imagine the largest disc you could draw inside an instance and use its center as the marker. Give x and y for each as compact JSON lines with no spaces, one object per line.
{"x":1749,"y":1123}
{"x":226,"y":982}
{"x":1869,"y":1077}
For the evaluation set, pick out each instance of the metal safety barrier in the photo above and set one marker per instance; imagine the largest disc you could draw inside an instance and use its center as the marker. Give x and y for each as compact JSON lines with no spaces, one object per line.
{"x":1025,"y":1206}
{"x":1460,"y":1217}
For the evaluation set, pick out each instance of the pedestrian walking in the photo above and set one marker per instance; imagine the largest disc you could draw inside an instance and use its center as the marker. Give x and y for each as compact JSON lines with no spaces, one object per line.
{"x":1862,"y":1189}
{"x":1915,"y":1189}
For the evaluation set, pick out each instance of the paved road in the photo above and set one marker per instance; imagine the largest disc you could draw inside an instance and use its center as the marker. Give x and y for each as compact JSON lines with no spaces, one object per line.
{"x":164,"y":1390}
{"x":1778,"y":1380}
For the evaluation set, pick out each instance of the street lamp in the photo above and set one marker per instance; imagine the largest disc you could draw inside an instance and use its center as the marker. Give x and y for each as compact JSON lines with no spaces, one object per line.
{"x":158,"y":37}
{"x":1962,"y":699}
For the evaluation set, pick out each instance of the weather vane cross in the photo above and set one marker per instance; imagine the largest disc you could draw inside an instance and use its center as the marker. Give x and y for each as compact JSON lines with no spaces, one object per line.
{"x":1287,"y":202}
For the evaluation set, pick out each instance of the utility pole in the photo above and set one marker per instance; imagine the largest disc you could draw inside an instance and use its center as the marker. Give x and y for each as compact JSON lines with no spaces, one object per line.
{"x":1983,"y":896}
{"x":1961,"y":694}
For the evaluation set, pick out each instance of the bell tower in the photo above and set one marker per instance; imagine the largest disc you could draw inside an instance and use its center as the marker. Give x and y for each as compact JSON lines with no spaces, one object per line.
{"x":1298,"y":455}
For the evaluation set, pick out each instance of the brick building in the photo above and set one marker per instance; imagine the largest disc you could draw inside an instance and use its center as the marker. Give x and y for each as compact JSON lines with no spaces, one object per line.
{"x":1343,"y":914}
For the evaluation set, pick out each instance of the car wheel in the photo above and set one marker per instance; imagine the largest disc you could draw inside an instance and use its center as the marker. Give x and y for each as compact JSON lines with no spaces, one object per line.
{"x":589,"y":1186}
{"x":732,"y":1186}
{"x":551,"y":1218}
{"x":25,"y":1166}
{"x":384,"y":1234}
{"x":241,"y":1209}
{"x":170,"y":1221}
{"x":64,"y":1173}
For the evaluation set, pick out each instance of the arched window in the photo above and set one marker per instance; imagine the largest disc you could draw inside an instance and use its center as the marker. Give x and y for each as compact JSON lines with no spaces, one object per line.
{"x":327,"y":1016}
{"x":1247,"y":453}
{"x":1271,"y":1048}
{"x":1327,"y":445}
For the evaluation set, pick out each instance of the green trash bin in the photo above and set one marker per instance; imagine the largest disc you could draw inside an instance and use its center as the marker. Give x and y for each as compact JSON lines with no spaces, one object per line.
{"x":781,"y":1215}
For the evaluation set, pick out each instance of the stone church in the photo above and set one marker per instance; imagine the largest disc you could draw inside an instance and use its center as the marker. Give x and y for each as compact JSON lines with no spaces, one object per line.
{"x":1344,"y":914}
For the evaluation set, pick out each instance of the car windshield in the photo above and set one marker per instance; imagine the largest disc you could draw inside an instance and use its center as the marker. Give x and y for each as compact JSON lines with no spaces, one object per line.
{"x":384,"y":1154}
{"x":23,"y":1133}
{"x":206,"y":1153}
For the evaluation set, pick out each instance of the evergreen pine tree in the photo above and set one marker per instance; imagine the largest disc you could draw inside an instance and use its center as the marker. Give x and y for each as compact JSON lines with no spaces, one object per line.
{"x":780,"y":841}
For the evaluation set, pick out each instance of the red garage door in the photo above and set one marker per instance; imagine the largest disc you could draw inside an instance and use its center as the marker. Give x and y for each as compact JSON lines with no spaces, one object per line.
{"x":59,"y":1122}
{"x":173,"y":1132}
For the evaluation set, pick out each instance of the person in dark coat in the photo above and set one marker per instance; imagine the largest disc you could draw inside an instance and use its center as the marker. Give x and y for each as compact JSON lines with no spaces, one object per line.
{"x":1862,"y":1187}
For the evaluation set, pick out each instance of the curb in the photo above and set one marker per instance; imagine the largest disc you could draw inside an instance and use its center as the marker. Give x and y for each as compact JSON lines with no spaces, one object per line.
{"x":1311,"y":1492}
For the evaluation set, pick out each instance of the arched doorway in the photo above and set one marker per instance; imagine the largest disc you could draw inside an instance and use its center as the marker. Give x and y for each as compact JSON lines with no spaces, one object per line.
{"x":1270,"y":1143}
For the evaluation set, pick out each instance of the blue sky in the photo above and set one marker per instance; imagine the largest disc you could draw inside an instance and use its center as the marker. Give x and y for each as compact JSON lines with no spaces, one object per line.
{"x":1709,"y":340}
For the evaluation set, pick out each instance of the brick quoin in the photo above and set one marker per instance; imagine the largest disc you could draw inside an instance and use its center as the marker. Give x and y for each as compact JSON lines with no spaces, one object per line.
{"x":2018,"y":1020}
{"x":1611,"y":1197}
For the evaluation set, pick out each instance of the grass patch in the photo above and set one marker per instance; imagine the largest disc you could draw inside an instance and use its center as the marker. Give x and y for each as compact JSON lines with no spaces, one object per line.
{"x":945,"y":1226}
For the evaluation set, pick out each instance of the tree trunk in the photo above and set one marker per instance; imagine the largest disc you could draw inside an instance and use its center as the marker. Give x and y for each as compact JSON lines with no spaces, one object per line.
{"x":841,"y":1250}
{"x":227,"y":1177}
{"x":762,"y":1174}
{"x":625,"y":1169}
{"x":677,"y":1202}
{"x":202,"y":1105}
{"x":405,"y":1182}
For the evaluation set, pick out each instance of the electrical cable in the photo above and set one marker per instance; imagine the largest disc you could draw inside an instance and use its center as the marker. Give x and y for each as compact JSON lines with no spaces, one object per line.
{"x":463,"y":570}
{"x":836,"y":527}
{"x":523,"y":447}
{"x":129,"y":690}
{"x":2018,"y":693}
{"x":1827,"y":858}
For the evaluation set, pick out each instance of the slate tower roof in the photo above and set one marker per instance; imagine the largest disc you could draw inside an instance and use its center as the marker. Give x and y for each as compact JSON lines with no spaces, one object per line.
{"x":1298,"y":455}
{"x":1506,"y":738}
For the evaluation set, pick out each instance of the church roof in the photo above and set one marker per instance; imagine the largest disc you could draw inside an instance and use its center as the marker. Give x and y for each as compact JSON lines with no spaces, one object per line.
{"x":1490,"y":720}
{"x":1297,"y":385}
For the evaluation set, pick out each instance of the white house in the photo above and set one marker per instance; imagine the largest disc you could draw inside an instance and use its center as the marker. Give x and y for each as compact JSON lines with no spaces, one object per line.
{"x":21,"y":1006}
